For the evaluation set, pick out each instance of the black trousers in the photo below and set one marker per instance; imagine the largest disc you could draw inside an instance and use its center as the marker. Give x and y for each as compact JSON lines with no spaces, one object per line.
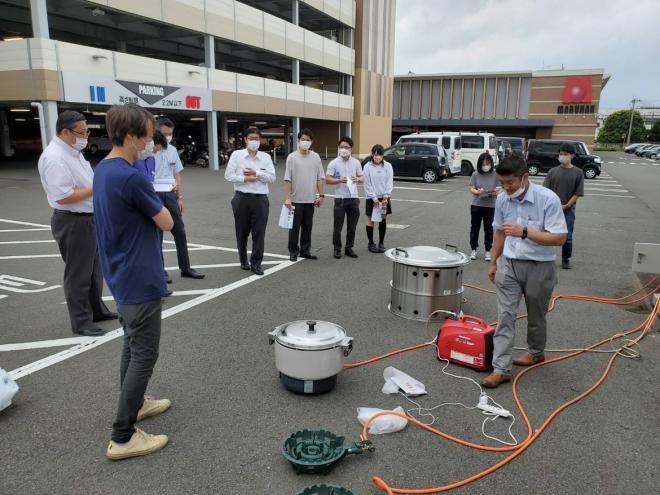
{"x":303,"y":219}
{"x":350,"y":208}
{"x":250,"y":217}
{"x":139,"y":354}
{"x":83,"y":281}
{"x":479,"y":214}
{"x":178,"y":231}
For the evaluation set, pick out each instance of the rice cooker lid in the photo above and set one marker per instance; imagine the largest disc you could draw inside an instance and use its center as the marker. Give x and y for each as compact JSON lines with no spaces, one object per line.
{"x":427,"y":256}
{"x":310,"y":335}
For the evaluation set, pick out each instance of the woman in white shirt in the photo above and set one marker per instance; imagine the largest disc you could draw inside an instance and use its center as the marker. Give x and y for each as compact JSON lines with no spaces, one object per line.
{"x":378,"y":185}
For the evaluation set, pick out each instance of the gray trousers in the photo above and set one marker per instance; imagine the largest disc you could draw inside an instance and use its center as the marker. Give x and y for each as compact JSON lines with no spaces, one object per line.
{"x":514,"y":279}
{"x":83,"y":282}
{"x":139,"y":354}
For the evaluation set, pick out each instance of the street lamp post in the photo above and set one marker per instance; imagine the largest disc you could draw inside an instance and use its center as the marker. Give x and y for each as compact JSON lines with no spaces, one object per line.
{"x":632,"y":114}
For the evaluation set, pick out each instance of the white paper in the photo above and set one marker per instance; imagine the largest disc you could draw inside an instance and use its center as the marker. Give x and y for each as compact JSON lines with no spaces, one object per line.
{"x":163,"y":185}
{"x":396,"y":380}
{"x":352,"y":186}
{"x":377,"y":214}
{"x":286,"y":217}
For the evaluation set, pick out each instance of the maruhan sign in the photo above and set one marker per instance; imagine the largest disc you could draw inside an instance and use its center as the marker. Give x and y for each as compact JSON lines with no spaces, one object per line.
{"x":86,"y":88}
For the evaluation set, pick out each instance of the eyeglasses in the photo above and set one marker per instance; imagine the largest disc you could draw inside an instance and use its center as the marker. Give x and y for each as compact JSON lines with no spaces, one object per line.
{"x":84,"y":133}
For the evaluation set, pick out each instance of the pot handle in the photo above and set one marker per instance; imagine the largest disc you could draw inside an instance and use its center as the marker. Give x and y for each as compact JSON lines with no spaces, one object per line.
{"x":311,"y":324}
{"x":272,"y":334}
{"x":452,"y":247}
{"x":400,"y":250}
{"x":347,"y":345}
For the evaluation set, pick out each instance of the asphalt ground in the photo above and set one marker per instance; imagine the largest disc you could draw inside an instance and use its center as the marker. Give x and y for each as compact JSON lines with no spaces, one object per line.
{"x":230,"y":414}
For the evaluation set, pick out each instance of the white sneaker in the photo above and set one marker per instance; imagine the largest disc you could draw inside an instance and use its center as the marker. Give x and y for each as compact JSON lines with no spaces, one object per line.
{"x":141,"y":443}
{"x":473,"y":255}
{"x":152,"y":407}
{"x":487,"y":256}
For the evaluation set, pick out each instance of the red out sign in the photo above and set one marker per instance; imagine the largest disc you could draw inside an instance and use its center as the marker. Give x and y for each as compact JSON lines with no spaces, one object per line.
{"x":193,"y":101}
{"x":578,"y":90}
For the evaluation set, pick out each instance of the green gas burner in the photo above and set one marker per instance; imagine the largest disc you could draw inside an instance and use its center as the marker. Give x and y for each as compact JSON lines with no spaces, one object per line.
{"x":325,"y":490}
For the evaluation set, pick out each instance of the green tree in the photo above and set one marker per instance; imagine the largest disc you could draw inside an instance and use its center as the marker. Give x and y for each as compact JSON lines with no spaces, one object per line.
{"x":615,"y":128}
{"x":654,"y":133}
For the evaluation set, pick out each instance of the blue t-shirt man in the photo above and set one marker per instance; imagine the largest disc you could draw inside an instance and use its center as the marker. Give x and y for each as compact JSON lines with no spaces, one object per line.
{"x":129,"y":247}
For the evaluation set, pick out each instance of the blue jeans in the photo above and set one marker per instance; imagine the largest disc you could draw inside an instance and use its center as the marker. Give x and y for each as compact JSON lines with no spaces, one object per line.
{"x":567,"y":248}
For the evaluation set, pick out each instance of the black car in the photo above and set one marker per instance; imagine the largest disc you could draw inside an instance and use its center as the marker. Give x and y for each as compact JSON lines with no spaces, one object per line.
{"x":418,"y":160}
{"x":543,"y":154}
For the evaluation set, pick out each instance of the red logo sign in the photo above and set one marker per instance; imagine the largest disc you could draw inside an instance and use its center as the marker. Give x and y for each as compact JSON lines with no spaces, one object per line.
{"x":578,"y":90}
{"x":193,"y":101}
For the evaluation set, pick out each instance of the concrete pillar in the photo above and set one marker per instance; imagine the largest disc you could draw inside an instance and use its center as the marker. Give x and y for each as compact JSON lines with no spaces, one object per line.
{"x":50,"y":118}
{"x":39,"y":15}
{"x":212,"y":116}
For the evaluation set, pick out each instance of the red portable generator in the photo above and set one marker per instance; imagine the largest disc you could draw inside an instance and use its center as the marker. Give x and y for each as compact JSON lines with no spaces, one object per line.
{"x":468,"y":341}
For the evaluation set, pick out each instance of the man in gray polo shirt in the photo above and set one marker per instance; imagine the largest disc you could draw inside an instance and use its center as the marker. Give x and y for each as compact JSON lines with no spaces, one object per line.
{"x":303,"y":177}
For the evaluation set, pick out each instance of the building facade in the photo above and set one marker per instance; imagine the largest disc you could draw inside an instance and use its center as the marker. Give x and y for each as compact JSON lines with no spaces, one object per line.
{"x":560,"y":104}
{"x":215,"y":67}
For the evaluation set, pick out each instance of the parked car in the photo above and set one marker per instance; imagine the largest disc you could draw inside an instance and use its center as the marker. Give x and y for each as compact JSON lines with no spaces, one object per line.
{"x":515,"y":144}
{"x":474,"y":144}
{"x":543,"y":154}
{"x":98,"y":143}
{"x":425,"y":161}
{"x":633,"y":147}
{"x":650,"y":152}
{"x":640,"y":149}
{"x":451,"y":144}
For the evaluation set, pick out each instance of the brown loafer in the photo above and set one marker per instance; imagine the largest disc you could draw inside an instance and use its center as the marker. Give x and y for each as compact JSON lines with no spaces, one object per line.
{"x":495,"y":380}
{"x":528,"y":360}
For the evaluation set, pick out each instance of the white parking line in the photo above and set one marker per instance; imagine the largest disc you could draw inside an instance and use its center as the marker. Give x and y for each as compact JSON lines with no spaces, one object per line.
{"x":225,"y":265}
{"x":24,"y":230}
{"x":608,"y":195}
{"x":422,"y":189}
{"x":28,"y":242}
{"x":606,"y":190}
{"x":401,"y":200}
{"x":16,"y":222}
{"x":98,"y":341}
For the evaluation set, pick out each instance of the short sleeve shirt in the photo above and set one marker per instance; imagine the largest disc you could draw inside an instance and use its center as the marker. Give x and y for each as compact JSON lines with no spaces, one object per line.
{"x":168,"y":163}
{"x":303,"y":171}
{"x":62,"y":170}
{"x":339,"y":168}
{"x":539,"y":210}
{"x":565,"y":182}
{"x":129,"y":245}
{"x":488,"y":182}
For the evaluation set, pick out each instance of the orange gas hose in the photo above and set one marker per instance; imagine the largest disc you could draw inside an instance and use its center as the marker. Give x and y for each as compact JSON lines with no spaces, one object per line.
{"x":532,"y":435}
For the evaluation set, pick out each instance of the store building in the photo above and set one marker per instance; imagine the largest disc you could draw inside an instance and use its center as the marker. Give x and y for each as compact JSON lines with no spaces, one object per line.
{"x":214,"y":66}
{"x":557,"y":104}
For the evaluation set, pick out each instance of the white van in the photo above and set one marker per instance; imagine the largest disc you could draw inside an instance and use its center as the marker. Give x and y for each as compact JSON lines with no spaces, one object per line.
{"x":451,"y":144}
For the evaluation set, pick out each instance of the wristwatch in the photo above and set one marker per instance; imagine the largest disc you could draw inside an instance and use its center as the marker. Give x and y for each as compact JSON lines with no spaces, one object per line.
{"x":524,"y":234}
{"x":321,"y":195}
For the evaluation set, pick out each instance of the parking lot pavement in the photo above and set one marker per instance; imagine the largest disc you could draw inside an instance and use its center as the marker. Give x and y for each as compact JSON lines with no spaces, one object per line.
{"x":230,"y":414}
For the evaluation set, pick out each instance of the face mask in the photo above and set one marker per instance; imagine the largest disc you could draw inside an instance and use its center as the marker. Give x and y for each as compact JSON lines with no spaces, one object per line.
{"x":147,"y":151}
{"x":377,"y":159}
{"x":253,"y":145}
{"x":564,"y":159}
{"x":344,"y":153}
{"x":486,"y":168}
{"x":80,"y":144}
{"x":169,"y":139}
{"x":517,"y":193}
{"x":304,"y":145}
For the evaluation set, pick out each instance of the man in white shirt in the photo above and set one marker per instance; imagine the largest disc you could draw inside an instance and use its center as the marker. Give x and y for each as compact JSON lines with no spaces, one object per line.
{"x":169,"y":167}
{"x":67,"y":179}
{"x":303,"y":181}
{"x":344,"y":172}
{"x":250,"y":171}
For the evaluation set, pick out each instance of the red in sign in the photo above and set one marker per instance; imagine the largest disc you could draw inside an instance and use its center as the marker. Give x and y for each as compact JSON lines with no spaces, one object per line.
{"x":193,"y":101}
{"x":578,"y":90}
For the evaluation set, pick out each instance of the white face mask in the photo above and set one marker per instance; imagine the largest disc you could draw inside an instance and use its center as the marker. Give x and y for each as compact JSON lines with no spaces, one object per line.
{"x":169,"y":139}
{"x":485,"y":168}
{"x":147,"y":151}
{"x":253,"y":144}
{"x":80,"y":144}
{"x":304,"y":145}
{"x":517,"y":193}
{"x":344,"y":153}
{"x":564,"y":159}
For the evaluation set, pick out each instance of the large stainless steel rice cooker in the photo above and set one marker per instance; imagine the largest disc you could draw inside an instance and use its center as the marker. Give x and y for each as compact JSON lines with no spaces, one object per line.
{"x":309,"y":354}
{"x":426,"y":279}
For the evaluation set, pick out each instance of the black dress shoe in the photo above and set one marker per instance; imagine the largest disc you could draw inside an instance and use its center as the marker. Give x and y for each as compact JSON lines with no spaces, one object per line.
{"x":372,"y":248}
{"x":192,"y":273}
{"x":105,"y":316}
{"x":168,"y":279}
{"x":308,"y":256}
{"x":168,"y":293}
{"x":257,"y":269}
{"x":337,"y":253}
{"x":293,"y":257}
{"x":91,"y":332}
{"x":245,"y":266}
{"x":350,"y":253}
{"x":381,"y":247}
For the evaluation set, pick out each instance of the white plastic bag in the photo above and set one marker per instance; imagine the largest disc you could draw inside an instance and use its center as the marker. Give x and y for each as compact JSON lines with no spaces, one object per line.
{"x":396,"y":380}
{"x":8,"y":389}
{"x":388,"y":423}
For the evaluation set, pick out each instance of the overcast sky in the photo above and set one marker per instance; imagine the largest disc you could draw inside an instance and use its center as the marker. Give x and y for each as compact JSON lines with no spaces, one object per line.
{"x":620,"y":36}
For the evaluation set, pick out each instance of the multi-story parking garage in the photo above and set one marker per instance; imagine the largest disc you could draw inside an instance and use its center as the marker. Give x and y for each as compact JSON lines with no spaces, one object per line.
{"x":213,"y":66}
